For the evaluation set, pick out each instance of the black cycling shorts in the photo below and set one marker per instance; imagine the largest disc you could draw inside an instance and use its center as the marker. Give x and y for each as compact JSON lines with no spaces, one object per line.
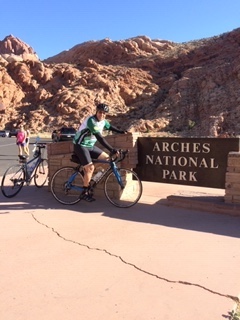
{"x":85,"y":155}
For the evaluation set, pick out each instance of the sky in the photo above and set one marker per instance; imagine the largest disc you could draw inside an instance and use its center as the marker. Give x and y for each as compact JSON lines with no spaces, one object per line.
{"x":53,"y":26}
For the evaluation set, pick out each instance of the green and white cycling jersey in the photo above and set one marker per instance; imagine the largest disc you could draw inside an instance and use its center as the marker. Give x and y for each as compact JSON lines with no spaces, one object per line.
{"x":86,"y":133}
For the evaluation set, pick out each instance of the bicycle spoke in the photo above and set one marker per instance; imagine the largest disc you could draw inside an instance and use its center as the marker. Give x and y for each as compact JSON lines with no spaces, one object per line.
{"x":41,"y":174}
{"x":66,"y":185}
{"x":126,"y":195}
{"x":12,"y":181}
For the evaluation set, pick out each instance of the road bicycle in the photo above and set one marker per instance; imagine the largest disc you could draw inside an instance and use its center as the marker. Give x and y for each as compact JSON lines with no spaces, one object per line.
{"x":35,"y":169}
{"x":122,"y":187}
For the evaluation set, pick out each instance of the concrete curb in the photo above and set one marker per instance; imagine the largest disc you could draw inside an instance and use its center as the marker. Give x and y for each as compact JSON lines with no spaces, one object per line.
{"x":205,"y":203}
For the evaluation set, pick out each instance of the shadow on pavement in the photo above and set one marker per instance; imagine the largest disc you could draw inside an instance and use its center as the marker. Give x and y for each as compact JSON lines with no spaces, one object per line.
{"x":32,"y":198}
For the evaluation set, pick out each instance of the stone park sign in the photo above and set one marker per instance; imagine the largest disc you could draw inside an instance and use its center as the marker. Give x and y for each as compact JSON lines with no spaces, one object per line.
{"x":187,"y":161}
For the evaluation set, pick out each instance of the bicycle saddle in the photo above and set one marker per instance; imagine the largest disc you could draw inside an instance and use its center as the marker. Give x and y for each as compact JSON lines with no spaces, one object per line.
{"x":22,"y":157}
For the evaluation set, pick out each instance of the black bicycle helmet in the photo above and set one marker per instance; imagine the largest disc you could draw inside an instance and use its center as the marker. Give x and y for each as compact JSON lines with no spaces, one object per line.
{"x":102,"y":107}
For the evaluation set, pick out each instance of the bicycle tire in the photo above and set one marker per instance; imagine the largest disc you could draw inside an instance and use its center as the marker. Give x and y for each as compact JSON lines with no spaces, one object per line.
{"x":41,"y":173}
{"x":13,"y":181}
{"x":127,"y":196}
{"x":62,"y":190}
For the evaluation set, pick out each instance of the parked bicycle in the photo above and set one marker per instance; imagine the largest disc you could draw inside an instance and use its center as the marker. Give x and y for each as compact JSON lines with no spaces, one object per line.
{"x":122,"y":187}
{"x":35,"y":169}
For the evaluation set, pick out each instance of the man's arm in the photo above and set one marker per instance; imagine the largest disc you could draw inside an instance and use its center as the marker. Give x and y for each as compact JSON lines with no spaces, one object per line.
{"x":104,"y":143}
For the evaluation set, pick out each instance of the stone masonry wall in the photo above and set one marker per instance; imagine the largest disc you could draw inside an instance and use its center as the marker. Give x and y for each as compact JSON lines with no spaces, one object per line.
{"x":232,"y":185}
{"x":59,"y":154}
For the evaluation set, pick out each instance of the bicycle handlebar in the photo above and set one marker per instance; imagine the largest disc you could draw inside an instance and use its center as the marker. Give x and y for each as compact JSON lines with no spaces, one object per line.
{"x":40,"y":145}
{"x":37,"y":148}
{"x":120,"y":157}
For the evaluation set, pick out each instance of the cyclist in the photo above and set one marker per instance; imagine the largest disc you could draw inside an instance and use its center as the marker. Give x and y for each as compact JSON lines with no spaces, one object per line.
{"x":90,"y":131}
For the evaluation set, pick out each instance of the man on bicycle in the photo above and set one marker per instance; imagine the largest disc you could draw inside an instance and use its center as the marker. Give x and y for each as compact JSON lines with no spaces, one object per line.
{"x":84,"y":141}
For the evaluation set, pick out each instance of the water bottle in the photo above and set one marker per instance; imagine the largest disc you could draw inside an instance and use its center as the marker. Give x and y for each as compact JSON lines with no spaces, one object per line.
{"x":97,"y":176}
{"x":34,"y":148}
{"x":35,"y":153}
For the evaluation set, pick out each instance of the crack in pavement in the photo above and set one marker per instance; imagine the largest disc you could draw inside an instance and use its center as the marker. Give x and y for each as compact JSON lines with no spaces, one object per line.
{"x":186,"y":283}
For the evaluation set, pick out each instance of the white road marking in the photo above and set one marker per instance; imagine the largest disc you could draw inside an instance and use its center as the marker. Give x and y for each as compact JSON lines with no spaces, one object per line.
{"x":6,"y":145}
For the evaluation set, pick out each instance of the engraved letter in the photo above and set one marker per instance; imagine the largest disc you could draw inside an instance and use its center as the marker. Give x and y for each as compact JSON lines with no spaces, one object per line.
{"x":192,"y":176}
{"x":173,"y":176}
{"x":182,"y":161}
{"x":156,"y":147}
{"x":196,"y":147}
{"x":165,"y":173}
{"x":185,"y":147}
{"x":203,"y":163}
{"x":158,"y":160}
{"x":206,"y":148}
{"x":165,"y":146}
{"x":173,"y":148}
{"x":182,"y":175}
{"x":149,"y":159}
{"x":212,"y":164}
{"x":193,"y":161}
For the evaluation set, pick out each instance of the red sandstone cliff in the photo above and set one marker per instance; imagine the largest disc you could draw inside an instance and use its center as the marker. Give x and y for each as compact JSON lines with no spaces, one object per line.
{"x":156,"y":86}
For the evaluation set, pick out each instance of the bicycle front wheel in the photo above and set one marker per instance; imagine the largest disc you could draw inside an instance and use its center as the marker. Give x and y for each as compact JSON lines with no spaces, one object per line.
{"x":41,"y":173}
{"x":125,"y":190}
{"x":12,"y":181}
{"x":66,"y":185}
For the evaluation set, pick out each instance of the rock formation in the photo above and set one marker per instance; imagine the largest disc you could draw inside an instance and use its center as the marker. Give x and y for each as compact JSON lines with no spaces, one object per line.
{"x":13,"y":49}
{"x":153,"y":86}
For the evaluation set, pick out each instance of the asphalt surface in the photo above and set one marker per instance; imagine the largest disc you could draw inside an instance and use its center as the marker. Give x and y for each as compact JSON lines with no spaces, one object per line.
{"x":8,"y":153}
{"x":93,"y":261}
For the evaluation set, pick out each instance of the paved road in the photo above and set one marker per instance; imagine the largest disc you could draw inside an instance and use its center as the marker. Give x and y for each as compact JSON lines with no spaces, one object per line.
{"x":9,"y":152}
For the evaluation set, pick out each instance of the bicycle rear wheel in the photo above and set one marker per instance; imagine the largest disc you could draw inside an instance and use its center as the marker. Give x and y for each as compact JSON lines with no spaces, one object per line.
{"x":41,"y":173}
{"x":12,"y":181}
{"x":65,"y":185}
{"x":123,"y":196}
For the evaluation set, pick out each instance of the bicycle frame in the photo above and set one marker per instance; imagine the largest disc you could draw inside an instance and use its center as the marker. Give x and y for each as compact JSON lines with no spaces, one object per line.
{"x":72,"y":178}
{"x":112,"y":167}
{"x":30,"y":166}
